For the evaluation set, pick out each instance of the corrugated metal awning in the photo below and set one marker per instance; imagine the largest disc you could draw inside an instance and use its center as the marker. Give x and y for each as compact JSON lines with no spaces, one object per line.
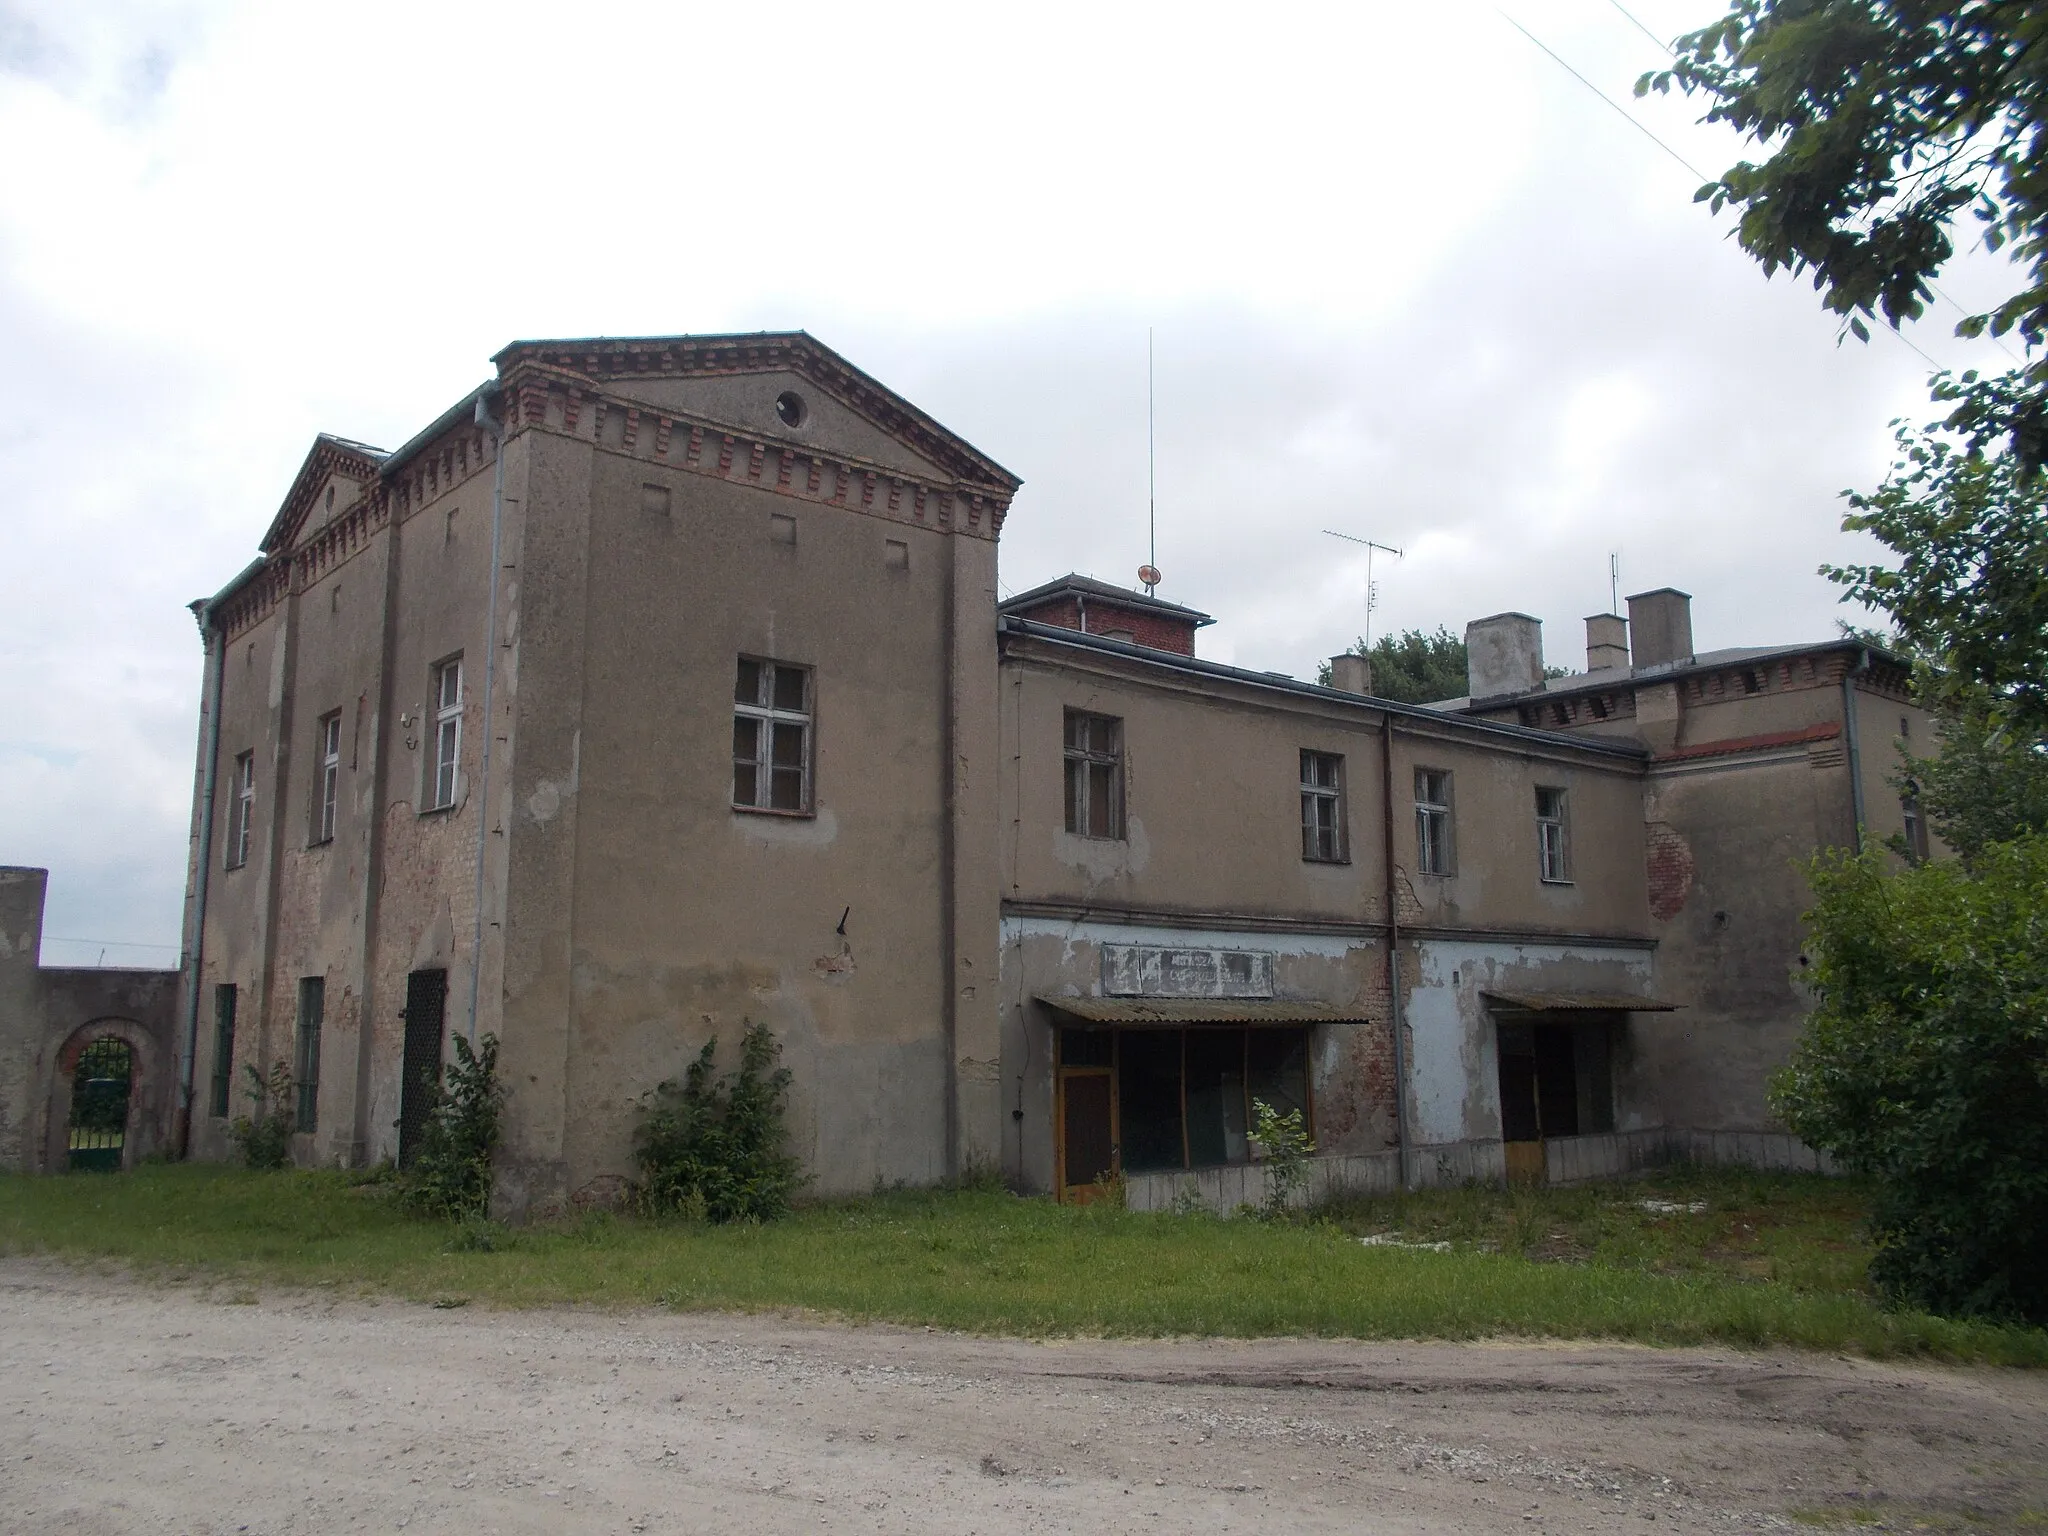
{"x":1202,"y":1010}
{"x":1578,"y":1002}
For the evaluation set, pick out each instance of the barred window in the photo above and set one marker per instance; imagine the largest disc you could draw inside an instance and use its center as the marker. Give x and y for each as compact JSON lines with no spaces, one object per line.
{"x":1322,"y":807}
{"x":1095,"y":775}
{"x":771,"y":737}
{"x":312,"y":1014}
{"x":1553,"y":838}
{"x":1433,"y":821}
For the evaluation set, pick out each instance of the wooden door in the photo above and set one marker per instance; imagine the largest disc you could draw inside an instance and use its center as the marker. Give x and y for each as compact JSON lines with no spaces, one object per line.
{"x":1087,"y":1126}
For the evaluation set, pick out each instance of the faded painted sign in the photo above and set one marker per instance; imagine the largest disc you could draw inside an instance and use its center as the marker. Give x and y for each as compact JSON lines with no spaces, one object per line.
{"x":1143,"y":970}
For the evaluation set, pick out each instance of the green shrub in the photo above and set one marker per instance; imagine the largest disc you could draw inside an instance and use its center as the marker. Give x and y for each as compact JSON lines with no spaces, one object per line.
{"x":1925,"y":1065}
{"x":265,"y":1139}
{"x":713,"y":1149}
{"x":450,"y":1173}
{"x":1287,"y":1149}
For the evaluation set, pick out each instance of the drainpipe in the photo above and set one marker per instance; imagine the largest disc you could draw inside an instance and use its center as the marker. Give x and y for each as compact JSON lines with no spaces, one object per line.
{"x":496,"y":428}
{"x":1394,"y":948}
{"x":210,"y":777}
{"x":1849,"y":740}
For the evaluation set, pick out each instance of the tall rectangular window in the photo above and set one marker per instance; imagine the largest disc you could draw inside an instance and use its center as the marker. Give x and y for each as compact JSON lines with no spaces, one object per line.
{"x":771,"y":737}
{"x":1322,"y":807}
{"x":312,"y":1014}
{"x":1095,"y":775}
{"x":1433,"y":821}
{"x":1916,"y":829}
{"x":243,"y":811}
{"x":447,"y":733}
{"x":223,"y":1047}
{"x":1553,"y":835}
{"x":330,"y":778}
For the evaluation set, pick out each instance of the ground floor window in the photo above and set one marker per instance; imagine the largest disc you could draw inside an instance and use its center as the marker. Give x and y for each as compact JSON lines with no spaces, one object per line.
{"x":1556,"y":1078}
{"x":1153,"y":1100}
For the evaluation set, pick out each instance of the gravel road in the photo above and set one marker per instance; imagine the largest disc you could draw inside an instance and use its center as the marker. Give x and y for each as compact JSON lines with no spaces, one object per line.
{"x":143,"y":1407}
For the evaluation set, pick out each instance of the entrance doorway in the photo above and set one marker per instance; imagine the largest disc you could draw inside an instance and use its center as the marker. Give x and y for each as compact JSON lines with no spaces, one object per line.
{"x":426,"y":1009}
{"x":100,"y":1090}
{"x":1554,"y":1081}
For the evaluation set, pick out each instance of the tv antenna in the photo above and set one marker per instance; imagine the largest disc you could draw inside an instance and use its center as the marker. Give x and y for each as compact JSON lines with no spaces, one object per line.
{"x":1372,"y":590}
{"x":1150,"y":574}
{"x":1614,"y":581}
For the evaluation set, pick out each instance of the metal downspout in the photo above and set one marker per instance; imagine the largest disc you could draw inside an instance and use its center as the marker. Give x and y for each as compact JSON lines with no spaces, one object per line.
{"x":1850,"y":742}
{"x":496,"y":428}
{"x":189,"y":1055}
{"x":1394,"y":1019}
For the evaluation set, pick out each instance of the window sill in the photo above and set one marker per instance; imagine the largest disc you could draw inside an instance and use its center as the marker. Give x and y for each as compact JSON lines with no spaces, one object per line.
{"x":1309,"y":858}
{"x":1557,"y":880}
{"x":437,"y":810}
{"x":770,"y":810}
{"x":1097,"y":837}
{"x":319,"y":842}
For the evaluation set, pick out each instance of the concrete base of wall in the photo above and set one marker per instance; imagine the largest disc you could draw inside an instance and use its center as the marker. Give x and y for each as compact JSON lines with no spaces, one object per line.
{"x":1567,"y":1160}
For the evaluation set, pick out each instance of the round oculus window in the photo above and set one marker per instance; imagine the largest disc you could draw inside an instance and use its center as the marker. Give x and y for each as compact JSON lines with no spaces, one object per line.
{"x":789,"y":405}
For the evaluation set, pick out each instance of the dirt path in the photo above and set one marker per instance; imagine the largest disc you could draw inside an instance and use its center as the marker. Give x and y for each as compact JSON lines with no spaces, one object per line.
{"x":127,"y":1407}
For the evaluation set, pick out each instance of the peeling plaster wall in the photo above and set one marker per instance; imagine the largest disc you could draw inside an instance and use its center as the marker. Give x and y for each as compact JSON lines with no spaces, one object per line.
{"x":1454,"y":1064}
{"x":1350,"y":1064}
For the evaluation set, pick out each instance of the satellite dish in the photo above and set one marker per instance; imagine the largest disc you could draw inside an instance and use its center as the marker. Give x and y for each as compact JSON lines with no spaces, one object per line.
{"x":1149,"y":575}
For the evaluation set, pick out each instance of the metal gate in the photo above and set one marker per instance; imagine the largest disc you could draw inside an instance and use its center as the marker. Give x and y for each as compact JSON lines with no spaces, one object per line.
{"x":99,"y":1106}
{"x":426,"y":999}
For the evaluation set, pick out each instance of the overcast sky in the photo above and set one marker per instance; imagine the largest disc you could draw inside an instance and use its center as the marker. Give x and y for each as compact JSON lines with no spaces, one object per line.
{"x":1406,"y":277}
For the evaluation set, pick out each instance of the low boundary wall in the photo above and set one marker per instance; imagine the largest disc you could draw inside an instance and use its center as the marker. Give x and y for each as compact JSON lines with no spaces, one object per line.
{"x":1567,"y":1160}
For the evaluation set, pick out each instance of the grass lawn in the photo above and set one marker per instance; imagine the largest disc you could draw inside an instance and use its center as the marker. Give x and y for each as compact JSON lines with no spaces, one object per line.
{"x":1722,"y":1258}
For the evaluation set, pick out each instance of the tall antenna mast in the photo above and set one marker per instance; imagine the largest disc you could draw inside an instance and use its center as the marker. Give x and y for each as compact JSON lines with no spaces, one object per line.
{"x":1372,"y":591}
{"x":1614,"y":581}
{"x":1151,"y":571}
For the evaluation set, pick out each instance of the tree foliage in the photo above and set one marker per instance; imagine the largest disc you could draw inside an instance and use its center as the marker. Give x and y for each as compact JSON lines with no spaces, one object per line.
{"x":714,"y":1148}
{"x":1888,"y":123}
{"x":1413,"y":667}
{"x":1986,"y":783}
{"x":264,"y":1139}
{"x":1968,"y":595}
{"x":1925,"y":1065}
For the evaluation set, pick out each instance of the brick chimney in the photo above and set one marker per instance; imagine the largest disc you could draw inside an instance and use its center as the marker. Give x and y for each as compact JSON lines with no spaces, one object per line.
{"x":1606,"y":642}
{"x":1660,"y":627}
{"x":1503,"y":655}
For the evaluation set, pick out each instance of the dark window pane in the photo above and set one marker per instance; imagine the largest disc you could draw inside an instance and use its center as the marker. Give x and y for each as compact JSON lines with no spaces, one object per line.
{"x":1278,"y":1068}
{"x":789,"y":745}
{"x":789,"y":688}
{"x":1216,"y":1097}
{"x":1086,"y":1048}
{"x":1101,"y":800}
{"x":786,"y":789}
{"x":1557,"y":1080}
{"x":746,"y":739}
{"x":1148,"y":1100}
{"x":748,"y":689}
{"x":743,"y":784}
{"x":1076,"y":781}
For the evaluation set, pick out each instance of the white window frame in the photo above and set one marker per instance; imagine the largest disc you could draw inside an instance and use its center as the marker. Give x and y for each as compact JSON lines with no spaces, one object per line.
{"x":766,"y":718}
{"x":243,"y":811}
{"x":444,"y":786}
{"x":1435,"y":843}
{"x":1553,"y":835}
{"x":1081,"y":759}
{"x":324,"y":808}
{"x":1322,"y":808}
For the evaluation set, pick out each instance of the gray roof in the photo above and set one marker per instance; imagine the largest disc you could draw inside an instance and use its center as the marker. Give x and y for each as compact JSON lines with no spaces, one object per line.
{"x":1704,"y":661}
{"x":1088,"y":586}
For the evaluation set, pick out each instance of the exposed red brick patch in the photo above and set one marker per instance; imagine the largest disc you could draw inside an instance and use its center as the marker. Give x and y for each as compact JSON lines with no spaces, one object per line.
{"x":1670,"y":870}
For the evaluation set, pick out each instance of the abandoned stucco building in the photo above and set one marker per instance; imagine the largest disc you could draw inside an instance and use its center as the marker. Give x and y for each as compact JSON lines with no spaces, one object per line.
{"x":662,"y":685}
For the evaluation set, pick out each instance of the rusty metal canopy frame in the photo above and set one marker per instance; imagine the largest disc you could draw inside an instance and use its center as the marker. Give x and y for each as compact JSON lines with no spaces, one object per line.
{"x":1577,"y":1002}
{"x":1174,"y":1011}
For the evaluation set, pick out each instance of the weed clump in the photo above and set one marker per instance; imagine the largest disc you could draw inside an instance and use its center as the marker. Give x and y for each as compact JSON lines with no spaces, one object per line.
{"x":450,"y":1175}
{"x":264,"y":1139}
{"x":712,"y":1149}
